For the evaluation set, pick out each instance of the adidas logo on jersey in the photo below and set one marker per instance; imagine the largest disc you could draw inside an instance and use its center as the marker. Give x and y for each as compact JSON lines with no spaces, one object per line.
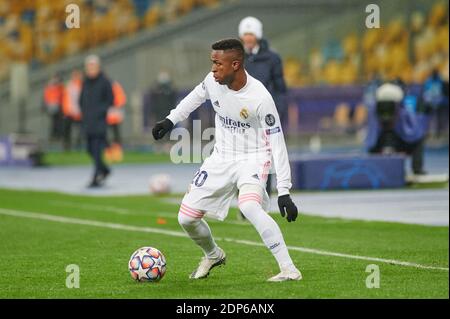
{"x":216,"y":103}
{"x":256,"y":176}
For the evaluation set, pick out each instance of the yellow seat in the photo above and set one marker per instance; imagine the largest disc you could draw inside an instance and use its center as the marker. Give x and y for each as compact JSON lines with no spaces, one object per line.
{"x":370,"y":39}
{"x":292,"y":69}
{"x":350,"y":44}
{"x":185,"y":6}
{"x":349,"y":71}
{"x":152,"y":16}
{"x":438,"y":14}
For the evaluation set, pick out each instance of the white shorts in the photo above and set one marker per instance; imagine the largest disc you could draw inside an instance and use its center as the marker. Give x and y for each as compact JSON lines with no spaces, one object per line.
{"x":218,"y":181}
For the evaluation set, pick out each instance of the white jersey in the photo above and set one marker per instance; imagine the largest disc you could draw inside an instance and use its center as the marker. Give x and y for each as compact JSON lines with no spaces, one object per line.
{"x":247,"y":123}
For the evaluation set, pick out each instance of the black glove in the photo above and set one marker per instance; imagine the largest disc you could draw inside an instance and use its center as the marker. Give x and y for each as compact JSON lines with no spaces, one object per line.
{"x":161,"y":128}
{"x":287,"y":207}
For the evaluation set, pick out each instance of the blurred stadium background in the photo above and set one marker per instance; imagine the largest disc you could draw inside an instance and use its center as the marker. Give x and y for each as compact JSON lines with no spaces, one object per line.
{"x":330,"y":58}
{"x":327,"y":60}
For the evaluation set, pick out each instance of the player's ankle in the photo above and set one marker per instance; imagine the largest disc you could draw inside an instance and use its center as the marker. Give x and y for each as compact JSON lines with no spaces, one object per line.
{"x":215,"y":253}
{"x":290,"y":267}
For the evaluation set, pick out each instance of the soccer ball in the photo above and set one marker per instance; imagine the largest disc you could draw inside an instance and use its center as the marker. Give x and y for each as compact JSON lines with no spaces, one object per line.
{"x":147,"y":264}
{"x":159,"y":184}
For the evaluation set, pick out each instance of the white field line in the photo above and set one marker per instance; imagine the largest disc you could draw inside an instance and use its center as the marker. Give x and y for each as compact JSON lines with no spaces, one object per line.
{"x":125,"y":211}
{"x":87,"y":222}
{"x":94,"y":207}
{"x":173,"y":215}
{"x":70,"y":220}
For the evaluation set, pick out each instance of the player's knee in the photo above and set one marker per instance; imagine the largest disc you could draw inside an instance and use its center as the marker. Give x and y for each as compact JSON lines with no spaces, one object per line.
{"x":188,"y":217}
{"x":185,"y":220}
{"x":247,"y":205}
{"x":250,"y":195}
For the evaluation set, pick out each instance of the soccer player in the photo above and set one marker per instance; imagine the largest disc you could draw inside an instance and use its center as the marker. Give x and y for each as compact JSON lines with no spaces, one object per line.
{"x":248,"y":134}
{"x":266,"y":66}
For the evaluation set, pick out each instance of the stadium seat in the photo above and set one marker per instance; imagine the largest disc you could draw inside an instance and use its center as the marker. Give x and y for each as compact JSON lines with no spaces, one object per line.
{"x":392,"y":51}
{"x":350,"y":44}
{"x":292,"y":72}
{"x":438,"y":14}
{"x":33,"y":29}
{"x":409,"y":51}
{"x":153,"y":16}
{"x":332,"y":72}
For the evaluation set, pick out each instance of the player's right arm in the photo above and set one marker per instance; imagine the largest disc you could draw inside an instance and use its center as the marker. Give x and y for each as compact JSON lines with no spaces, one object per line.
{"x":270,"y":122}
{"x":186,"y":106}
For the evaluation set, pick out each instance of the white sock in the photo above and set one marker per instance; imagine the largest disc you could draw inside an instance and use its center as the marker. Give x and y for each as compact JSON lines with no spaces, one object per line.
{"x":269,"y":231}
{"x":199,"y":231}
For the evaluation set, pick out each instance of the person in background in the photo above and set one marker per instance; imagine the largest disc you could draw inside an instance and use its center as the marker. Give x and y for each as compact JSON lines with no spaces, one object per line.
{"x":158,"y":99}
{"x":71,"y":109}
{"x":95,"y":99}
{"x":266,"y":66}
{"x":435,"y":100}
{"x":114,"y":118}
{"x":397,"y":125}
{"x":52,"y":105}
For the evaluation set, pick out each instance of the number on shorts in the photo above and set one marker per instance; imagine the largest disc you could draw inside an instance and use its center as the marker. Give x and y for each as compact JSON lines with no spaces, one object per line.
{"x":200,"y":178}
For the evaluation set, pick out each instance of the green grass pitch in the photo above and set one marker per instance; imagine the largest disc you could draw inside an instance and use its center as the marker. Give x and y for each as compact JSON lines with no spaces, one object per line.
{"x":35,"y":252}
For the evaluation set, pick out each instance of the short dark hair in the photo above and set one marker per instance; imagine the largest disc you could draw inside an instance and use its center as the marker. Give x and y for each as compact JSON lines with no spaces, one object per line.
{"x":230,"y":44}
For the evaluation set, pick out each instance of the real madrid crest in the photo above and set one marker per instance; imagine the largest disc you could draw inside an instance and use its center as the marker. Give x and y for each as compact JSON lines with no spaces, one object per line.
{"x":244,"y":113}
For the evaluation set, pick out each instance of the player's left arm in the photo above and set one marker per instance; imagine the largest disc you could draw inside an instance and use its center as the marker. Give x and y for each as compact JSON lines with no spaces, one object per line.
{"x":186,"y":106}
{"x":270,"y":122}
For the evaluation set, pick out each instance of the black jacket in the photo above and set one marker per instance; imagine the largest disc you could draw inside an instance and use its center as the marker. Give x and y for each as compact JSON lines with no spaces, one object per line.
{"x":266,"y":66}
{"x":95,"y":99}
{"x":162,"y":98}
